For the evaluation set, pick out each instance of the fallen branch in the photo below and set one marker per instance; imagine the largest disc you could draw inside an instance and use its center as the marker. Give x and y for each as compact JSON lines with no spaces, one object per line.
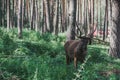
{"x":100,"y":41}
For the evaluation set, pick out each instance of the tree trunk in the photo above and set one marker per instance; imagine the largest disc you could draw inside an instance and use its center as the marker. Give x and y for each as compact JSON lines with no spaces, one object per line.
{"x":46,"y":20}
{"x":97,"y":12}
{"x":50,"y":15}
{"x":8,"y":15}
{"x":110,"y":2}
{"x":57,"y":18}
{"x":92,"y":13}
{"x":63,"y":5}
{"x":19,"y":20}
{"x":105,"y":21}
{"x":115,"y":30}
{"x":22,"y":13}
{"x":90,"y":18}
{"x":32,"y":15}
{"x":81,"y":13}
{"x":36,"y":16}
{"x":100,"y":16}
{"x":72,"y":19}
{"x":3,"y":12}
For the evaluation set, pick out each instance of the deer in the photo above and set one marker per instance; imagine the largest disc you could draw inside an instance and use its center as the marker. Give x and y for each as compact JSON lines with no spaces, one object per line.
{"x":76,"y":50}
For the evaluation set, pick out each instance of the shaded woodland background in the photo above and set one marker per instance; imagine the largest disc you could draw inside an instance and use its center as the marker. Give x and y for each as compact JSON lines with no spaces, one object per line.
{"x":53,"y":15}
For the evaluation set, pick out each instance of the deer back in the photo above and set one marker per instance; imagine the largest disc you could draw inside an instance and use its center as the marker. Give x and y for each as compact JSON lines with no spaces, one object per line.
{"x":70,"y":46}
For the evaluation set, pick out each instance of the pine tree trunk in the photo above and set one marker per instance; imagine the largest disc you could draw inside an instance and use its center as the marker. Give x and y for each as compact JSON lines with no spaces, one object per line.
{"x":57,"y":18}
{"x":3,"y":11}
{"x":105,"y":21}
{"x":90,"y":20}
{"x":19,"y":20}
{"x":100,"y":16}
{"x":36,"y":16}
{"x":115,"y":30}
{"x":50,"y":16}
{"x":32,"y":15}
{"x":72,"y":19}
{"x":46,"y":20}
{"x":22,"y":13}
{"x":8,"y":15}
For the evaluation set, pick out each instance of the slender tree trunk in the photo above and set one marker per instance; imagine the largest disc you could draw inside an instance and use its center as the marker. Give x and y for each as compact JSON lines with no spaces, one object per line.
{"x":81,"y":13}
{"x":78,"y":11}
{"x":41,"y":15}
{"x":105,"y":20}
{"x":19,"y":20}
{"x":92,"y":13}
{"x":100,"y":17}
{"x":61,"y":17}
{"x":110,"y":12}
{"x":86,"y":20}
{"x":50,"y":16}
{"x":63,"y":3}
{"x":8,"y":15}
{"x":84,"y":23}
{"x":66,"y":15}
{"x":27,"y":13}
{"x":32,"y":15}
{"x":1,"y":6}
{"x":11,"y":14}
{"x":72,"y":19}
{"x":46,"y":17}
{"x":22,"y":13}
{"x":115,"y":30}
{"x":57,"y":19}
{"x":36,"y":15}
{"x":97,"y":12}
{"x":90,"y":20}
{"x":3,"y":12}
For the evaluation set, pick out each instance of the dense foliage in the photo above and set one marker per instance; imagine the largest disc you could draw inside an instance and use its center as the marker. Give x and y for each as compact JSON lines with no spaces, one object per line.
{"x":42,"y":57}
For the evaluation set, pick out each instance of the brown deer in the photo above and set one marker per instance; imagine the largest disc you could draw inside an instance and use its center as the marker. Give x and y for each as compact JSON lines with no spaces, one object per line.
{"x":77,"y":49}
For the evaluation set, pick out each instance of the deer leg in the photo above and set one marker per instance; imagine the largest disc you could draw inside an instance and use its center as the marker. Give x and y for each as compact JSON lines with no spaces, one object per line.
{"x":67,"y":59}
{"x":75,"y":62}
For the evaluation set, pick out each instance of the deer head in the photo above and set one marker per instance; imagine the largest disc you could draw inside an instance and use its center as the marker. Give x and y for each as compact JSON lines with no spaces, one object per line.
{"x":90,"y":35}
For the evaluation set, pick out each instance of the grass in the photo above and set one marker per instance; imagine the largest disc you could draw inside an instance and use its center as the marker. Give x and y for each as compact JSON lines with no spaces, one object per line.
{"x":99,"y":65}
{"x":42,"y":57}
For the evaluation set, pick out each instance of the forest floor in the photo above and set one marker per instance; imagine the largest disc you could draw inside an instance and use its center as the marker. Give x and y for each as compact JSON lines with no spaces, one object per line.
{"x":42,"y":57}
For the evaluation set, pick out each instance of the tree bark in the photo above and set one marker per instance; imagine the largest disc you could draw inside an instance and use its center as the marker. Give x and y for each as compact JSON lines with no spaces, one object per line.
{"x":105,"y":21}
{"x":90,"y":18}
{"x":8,"y":15}
{"x":57,"y":18}
{"x":22,"y":13}
{"x":50,"y":15}
{"x":32,"y":15}
{"x":72,"y":19}
{"x":115,"y":30}
{"x":19,"y":20}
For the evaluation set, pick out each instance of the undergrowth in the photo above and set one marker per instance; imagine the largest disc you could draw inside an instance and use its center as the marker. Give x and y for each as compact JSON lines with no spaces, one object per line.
{"x":41,"y":57}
